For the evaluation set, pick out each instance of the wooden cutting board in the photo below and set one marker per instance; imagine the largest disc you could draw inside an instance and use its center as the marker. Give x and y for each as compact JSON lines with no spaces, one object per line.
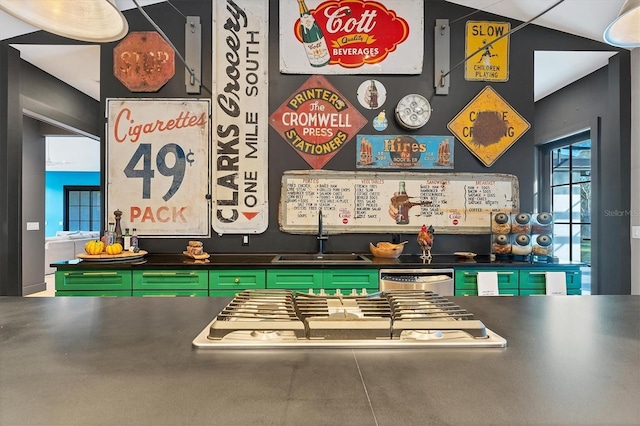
{"x":125,"y":255}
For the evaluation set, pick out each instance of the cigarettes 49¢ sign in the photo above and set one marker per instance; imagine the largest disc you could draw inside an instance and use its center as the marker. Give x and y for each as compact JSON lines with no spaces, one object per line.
{"x":158,"y":166}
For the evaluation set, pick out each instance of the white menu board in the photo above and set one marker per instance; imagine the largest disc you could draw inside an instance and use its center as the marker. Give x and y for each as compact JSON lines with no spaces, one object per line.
{"x":391,"y":202}
{"x":158,"y":170}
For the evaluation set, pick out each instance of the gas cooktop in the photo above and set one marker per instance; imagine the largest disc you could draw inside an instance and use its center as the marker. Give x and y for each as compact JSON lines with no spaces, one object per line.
{"x":390,"y":319}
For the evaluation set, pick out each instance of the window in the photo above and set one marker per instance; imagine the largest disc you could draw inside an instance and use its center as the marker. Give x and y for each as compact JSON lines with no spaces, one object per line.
{"x":82,"y":208}
{"x":571,"y":200}
{"x":566,"y":192}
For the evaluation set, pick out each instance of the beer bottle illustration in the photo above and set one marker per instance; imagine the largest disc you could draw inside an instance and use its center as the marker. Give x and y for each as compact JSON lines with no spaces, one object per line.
{"x":312,"y":38}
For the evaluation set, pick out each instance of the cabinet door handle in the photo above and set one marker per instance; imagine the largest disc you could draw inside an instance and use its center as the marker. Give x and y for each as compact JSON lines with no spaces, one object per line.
{"x":167,"y":274}
{"x":80,"y":274}
{"x":499,"y":273}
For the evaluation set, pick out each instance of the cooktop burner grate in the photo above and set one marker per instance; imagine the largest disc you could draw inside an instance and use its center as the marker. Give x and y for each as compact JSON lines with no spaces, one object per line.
{"x":277,"y":318}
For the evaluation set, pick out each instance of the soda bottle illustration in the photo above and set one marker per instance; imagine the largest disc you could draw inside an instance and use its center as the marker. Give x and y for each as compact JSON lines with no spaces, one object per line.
{"x":402,"y":218}
{"x":312,"y":38}
{"x":372,"y":95}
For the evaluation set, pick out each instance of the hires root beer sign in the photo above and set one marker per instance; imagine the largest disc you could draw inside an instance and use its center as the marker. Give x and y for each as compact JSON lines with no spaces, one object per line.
{"x":317,"y":121}
{"x":351,"y":36}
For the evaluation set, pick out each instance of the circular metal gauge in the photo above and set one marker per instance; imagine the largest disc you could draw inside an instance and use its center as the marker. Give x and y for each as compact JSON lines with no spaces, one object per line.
{"x":413,"y":111}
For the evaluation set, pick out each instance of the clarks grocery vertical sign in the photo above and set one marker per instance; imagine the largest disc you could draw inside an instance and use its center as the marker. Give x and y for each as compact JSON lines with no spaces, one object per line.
{"x":351,"y":36}
{"x":240,"y":77}
{"x":158,"y":165}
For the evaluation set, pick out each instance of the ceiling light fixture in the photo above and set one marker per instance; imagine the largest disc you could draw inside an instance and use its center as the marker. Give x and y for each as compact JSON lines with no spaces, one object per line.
{"x":624,"y":31}
{"x":95,"y":21}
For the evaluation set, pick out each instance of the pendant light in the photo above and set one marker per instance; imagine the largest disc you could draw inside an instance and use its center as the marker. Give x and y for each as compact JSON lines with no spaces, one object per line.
{"x":624,"y":31}
{"x":94,"y":21}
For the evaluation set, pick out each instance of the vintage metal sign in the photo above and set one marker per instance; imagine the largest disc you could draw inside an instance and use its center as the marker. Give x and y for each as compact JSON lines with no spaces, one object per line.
{"x":404,"y":152}
{"x":491,"y":63}
{"x":384,"y":202}
{"x":317,"y":121}
{"x":241,"y":81}
{"x":488,"y":126}
{"x":158,"y":165}
{"x":351,"y":36}
{"x":143,"y":61}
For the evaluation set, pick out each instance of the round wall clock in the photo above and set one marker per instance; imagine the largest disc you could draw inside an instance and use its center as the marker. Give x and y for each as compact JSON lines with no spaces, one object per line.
{"x":413,"y":111}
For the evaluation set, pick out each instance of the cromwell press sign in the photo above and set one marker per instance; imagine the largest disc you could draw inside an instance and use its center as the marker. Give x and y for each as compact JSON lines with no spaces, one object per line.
{"x":317,"y":121}
{"x":351,"y":37}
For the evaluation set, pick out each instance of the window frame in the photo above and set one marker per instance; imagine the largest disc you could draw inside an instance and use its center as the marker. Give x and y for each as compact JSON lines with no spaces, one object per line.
{"x":67,"y":189}
{"x":546,"y":180}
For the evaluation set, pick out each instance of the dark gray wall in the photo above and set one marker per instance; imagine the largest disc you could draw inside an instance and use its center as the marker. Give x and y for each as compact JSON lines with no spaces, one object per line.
{"x":515,"y":161}
{"x":49,"y":99}
{"x":33,"y":204}
{"x":601,"y":102}
{"x":518,"y":92}
{"x":27,"y":89}
{"x":10,"y":173}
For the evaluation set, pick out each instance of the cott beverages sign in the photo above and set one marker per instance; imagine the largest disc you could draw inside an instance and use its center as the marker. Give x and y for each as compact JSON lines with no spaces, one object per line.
{"x":351,"y":37}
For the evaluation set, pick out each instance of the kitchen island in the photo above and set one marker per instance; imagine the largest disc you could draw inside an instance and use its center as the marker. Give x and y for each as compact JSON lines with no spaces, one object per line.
{"x":130,"y":361}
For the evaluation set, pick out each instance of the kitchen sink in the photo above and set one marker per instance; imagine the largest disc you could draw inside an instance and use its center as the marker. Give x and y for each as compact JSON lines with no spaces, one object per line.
{"x":320,"y":258}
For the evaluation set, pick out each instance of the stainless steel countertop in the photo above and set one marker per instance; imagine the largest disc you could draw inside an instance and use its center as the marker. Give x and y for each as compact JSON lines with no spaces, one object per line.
{"x":129,"y":361}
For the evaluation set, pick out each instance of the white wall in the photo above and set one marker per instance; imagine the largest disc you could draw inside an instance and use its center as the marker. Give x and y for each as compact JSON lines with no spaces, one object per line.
{"x":72,"y":154}
{"x":635,"y":168}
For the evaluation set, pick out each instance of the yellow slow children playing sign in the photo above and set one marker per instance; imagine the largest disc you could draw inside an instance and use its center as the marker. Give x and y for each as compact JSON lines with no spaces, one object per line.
{"x":491,"y":63}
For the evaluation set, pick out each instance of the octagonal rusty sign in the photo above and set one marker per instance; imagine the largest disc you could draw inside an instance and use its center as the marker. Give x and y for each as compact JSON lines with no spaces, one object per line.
{"x":143,"y":61}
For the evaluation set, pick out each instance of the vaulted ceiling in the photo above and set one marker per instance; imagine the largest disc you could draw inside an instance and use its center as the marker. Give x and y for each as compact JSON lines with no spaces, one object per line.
{"x":585,"y":18}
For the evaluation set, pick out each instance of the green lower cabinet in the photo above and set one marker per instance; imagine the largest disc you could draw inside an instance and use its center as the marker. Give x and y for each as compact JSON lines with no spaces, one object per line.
{"x":326,"y":281}
{"x":93,"y":281}
{"x":232,"y":281}
{"x":466,"y":282}
{"x":299,"y":280}
{"x":93,"y":293}
{"x":349,"y":280}
{"x":534,"y":281}
{"x":173,"y":280}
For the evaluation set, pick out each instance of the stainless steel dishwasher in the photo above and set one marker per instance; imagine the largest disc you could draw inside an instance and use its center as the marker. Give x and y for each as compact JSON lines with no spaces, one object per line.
{"x":437,"y":280}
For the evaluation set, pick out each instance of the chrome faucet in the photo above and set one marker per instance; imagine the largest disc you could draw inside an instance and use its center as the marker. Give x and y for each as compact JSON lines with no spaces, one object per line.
{"x":321,"y":238}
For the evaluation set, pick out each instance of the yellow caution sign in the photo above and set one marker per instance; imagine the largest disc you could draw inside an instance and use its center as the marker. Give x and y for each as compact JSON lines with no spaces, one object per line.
{"x":491,"y":62}
{"x":488,"y":126}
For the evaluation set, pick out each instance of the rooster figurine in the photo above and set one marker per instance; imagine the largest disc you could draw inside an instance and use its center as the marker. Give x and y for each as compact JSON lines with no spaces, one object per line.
{"x":425,"y":241}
